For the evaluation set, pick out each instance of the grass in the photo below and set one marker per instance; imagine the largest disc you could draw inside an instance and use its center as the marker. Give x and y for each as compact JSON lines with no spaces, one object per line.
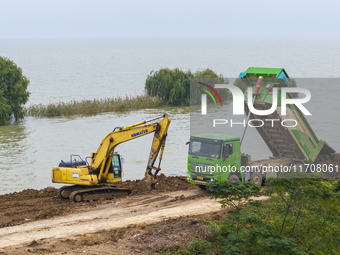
{"x":93,"y":106}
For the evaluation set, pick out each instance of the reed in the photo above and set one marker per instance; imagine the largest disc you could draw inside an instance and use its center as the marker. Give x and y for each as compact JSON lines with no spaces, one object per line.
{"x":93,"y":106}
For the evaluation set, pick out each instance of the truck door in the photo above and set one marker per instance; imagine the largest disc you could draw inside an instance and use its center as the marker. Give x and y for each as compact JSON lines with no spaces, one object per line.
{"x":228,"y":155}
{"x":227,"y":150}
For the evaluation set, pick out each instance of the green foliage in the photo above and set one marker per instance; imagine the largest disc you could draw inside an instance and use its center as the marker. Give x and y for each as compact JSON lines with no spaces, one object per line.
{"x":173,"y":85}
{"x":13,"y":91}
{"x":5,"y":109}
{"x":94,"y":106}
{"x":307,"y":210}
{"x":302,"y":216}
{"x":234,"y":194}
{"x":200,"y":247}
{"x":239,"y":83}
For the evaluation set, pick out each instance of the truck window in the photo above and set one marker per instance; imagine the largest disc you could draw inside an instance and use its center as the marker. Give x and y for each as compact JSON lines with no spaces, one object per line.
{"x":204,"y":149}
{"x":227,"y":149}
{"x":195,"y":147}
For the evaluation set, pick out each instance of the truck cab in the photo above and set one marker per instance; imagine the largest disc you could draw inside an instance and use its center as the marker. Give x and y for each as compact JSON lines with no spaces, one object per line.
{"x":215,"y":157}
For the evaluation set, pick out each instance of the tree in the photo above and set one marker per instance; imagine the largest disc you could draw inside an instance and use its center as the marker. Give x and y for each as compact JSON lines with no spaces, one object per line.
{"x":13,"y":91}
{"x":234,"y":194}
{"x":173,"y":85}
{"x":307,"y":209}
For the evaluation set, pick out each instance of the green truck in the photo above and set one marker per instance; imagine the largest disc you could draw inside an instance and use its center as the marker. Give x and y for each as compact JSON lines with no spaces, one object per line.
{"x":219,"y":157}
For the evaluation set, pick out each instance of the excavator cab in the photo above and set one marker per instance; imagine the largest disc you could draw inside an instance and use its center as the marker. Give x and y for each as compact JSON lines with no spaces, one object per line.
{"x":116,"y":168}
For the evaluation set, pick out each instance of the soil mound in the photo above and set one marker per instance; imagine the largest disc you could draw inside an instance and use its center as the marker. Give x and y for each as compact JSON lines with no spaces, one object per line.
{"x":164,"y":183}
{"x":30,"y":204}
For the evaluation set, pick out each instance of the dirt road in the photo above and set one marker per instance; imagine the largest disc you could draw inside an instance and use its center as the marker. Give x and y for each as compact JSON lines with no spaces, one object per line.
{"x":38,"y":217}
{"x":128,"y":211}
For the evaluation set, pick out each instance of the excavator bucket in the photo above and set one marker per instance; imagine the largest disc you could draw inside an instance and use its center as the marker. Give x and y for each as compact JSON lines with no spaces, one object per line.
{"x":147,"y":183}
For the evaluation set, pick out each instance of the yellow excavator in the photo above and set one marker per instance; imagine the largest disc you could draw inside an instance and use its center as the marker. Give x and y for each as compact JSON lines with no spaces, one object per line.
{"x":95,"y":180}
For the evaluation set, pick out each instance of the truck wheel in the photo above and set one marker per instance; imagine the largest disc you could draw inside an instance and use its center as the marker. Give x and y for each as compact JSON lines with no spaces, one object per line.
{"x":256,"y":178}
{"x":233,"y":178}
{"x":203,"y":187}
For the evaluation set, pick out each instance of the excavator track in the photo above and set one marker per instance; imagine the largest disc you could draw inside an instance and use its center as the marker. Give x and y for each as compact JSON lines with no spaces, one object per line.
{"x":65,"y":191}
{"x":85,"y":193}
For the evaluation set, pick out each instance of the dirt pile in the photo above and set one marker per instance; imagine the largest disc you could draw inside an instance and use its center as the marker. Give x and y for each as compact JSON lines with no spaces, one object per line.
{"x":31,"y":205}
{"x":164,"y":183}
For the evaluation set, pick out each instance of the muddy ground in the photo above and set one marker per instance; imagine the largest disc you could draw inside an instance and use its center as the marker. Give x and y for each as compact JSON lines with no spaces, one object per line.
{"x":132,"y":225}
{"x":31,"y":205}
{"x":164,"y":236}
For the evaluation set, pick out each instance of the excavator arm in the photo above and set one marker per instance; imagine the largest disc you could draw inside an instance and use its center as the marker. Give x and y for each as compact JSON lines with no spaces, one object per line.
{"x":101,"y":159}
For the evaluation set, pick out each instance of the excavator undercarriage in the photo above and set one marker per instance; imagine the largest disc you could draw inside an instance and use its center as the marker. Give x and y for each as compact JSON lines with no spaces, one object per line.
{"x":79,"y":193}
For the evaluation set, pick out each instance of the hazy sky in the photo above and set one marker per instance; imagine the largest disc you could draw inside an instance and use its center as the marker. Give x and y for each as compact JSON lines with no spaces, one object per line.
{"x":175,"y":18}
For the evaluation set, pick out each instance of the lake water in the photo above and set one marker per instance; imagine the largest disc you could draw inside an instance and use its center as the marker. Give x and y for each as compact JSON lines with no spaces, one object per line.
{"x":65,"y":70}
